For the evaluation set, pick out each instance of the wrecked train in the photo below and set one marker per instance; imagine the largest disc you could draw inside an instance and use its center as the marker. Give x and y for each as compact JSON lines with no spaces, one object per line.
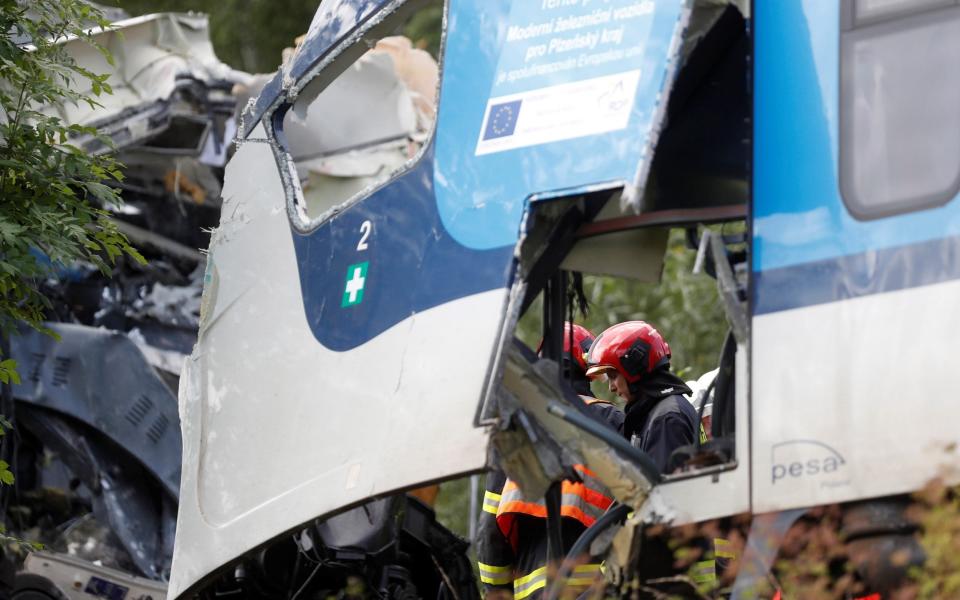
{"x":360,"y":342}
{"x":99,"y":450}
{"x":98,"y":447}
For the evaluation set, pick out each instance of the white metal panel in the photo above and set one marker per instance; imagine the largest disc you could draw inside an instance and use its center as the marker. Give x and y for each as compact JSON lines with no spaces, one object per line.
{"x":150,"y":52}
{"x":855,"y":399}
{"x":279,"y":430}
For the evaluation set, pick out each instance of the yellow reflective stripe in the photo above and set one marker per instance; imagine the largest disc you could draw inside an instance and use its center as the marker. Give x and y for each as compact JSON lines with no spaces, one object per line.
{"x":723,"y":548}
{"x":494,"y":574}
{"x":703,"y":434}
{"x":589,"y":568}
{"x":704,"y":571}
{"x":495,"y":568}
{"x":496,"y":580}
{"x":528,"y":584}
{"x":584,"y":574}
{"x":491,"y":502}
{"x":537,"y":585}
{"x":530,"y":576}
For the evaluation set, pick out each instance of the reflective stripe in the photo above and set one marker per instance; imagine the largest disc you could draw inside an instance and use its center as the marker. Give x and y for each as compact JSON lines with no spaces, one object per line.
{"x":592,"y":496}
{"x":534,"y":509}
{"x":519,"y":506}
{"x":581,"y":576}
{"x":703,"y":434}
{"x":528,"y":584}
{"x":584,"y":501}
{"x":704,"y":571}
{"x":584,"y":574}
{"x":491,"y":502}
{"x":723,"y":548}
{"x":495,"y":575}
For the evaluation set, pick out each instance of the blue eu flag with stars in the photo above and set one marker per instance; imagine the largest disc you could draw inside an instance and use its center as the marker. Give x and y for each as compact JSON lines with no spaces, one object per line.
{"x":502,"y":120}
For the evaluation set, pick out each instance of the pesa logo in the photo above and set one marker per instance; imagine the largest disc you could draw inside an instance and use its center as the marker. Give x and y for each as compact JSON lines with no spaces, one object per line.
{"x":795,"y":460}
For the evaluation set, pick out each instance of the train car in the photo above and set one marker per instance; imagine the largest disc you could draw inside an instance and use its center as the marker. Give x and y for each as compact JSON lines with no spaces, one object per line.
{"x":375,"y":256}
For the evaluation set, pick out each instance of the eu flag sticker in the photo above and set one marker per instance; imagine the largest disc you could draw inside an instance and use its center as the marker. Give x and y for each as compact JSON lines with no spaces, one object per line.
{"x":502,"y":120}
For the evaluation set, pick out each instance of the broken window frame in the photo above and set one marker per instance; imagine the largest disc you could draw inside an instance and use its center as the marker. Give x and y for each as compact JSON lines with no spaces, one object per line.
{"x":341,"y":56}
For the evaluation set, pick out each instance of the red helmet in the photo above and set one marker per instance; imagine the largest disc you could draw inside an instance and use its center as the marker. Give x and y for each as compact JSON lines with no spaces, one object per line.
{"x":633,"y":348}
{"x":582,"y":339}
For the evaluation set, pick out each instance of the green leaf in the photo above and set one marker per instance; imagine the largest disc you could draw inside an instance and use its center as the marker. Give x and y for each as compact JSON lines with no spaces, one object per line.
{"x":52,"y":191}
{"x":103,"y":193}
{"x":8,"y":371}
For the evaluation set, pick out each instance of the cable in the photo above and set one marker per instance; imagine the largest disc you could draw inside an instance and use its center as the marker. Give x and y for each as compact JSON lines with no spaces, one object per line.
{"x":305,"y":583}
{"x":614,"y":514}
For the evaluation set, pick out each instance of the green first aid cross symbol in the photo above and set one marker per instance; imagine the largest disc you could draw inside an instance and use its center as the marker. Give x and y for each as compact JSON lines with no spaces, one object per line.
{"x":356,"y":280}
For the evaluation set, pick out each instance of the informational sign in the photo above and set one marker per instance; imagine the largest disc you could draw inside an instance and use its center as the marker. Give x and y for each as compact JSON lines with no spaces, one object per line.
{"x":567,"y":69}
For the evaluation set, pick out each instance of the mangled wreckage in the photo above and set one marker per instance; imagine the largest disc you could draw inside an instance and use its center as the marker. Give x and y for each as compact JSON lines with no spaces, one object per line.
{"x":98,"y":470}
{"x":98,"y":453}
{"x":373,"y":258}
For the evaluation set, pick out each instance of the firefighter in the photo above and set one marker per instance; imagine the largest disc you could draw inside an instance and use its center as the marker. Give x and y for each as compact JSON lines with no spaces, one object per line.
{"x":512,"y":532}
{"x":636,"y":361}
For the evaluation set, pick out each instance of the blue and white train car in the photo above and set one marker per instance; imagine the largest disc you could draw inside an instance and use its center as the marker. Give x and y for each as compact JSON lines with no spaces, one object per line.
{"x":373,"y":257}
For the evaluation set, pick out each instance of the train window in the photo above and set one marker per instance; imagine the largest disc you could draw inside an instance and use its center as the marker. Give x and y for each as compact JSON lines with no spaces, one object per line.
{"x":899,"y":105}
{"x":369,"y":123}
{"x":687,"y":310}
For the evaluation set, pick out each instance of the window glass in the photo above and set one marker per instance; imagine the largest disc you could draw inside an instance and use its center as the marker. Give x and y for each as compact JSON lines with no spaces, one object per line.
{"x":900,"y":113}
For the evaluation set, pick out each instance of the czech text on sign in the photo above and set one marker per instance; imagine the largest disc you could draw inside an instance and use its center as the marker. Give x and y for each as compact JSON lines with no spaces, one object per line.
{"x":567,"y":69}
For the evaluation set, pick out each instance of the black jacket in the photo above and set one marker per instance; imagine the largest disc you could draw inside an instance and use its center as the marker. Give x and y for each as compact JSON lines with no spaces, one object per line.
{"x":660,"y":419}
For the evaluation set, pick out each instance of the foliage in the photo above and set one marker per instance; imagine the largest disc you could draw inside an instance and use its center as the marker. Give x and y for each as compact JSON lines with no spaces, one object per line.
{"x":425,"y":27}
{"x":683,"y":306}
{"x":937,"y":509}
{"x":453,"y":504}
{"x":53,"y":194}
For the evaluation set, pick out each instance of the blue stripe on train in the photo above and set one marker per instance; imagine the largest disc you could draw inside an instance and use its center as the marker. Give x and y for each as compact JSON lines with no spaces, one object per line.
{"x":413,"y":263}
{"x":864,"y":274}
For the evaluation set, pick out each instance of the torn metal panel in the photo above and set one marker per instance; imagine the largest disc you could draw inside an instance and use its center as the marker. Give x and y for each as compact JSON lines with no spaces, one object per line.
{"x":100,"y":378}
{"x":171,"y":118}
{"x":165,"y":67}
{"x":121,"y":493}
{"x":532,"y":387}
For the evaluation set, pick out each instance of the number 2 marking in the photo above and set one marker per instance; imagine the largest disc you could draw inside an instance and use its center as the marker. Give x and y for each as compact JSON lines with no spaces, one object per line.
{"x":365,"y":228}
